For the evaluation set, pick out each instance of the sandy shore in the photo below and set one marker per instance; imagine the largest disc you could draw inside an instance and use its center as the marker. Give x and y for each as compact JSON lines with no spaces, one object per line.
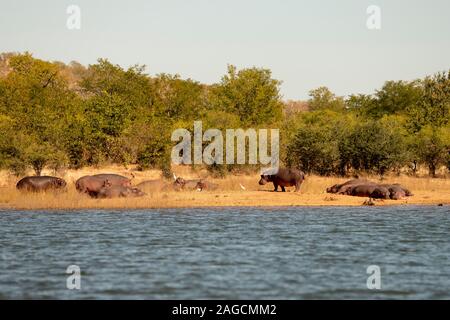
{"x":426,"y":191}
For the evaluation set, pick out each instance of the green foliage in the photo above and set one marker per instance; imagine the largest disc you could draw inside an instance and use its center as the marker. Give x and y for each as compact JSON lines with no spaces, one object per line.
{"x":251,"y":94}
{"x":322,"y":98}
{"x":432,"y":147}
{"x":54,"y":115}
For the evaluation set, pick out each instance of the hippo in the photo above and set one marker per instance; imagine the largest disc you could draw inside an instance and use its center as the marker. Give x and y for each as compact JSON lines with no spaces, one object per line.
{"x":41,"y":183}
{"x":182,"y":184}
{"x":370,"y":190}
{"x":114,"y":179}
{"x":284,"y":177}
{"x":116,"y":191}
{"x":206,"y":185}
{"x":92,"y":184}
{"x":343,"y":187}
{"x":397,"y":192}
{"x":152,"y":185}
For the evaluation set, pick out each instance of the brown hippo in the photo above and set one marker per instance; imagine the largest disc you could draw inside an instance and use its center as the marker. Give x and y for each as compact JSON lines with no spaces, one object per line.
{"x":206,"y":185}
{"x":182,"y":184}
{"x":370,"y":190}
{"x":92,"y":184}
{"x":116,"y":191}
{"x":153,"y":185}
{"x":40,"y":183}
{"x":114,"y":179}
{"x":284,"y":177}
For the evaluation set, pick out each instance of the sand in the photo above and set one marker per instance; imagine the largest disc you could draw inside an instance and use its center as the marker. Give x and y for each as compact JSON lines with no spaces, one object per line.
{"x":234,"y":191}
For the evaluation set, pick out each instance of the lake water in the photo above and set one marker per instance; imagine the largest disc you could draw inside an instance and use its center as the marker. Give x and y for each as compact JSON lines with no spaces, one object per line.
{"x":228,"y":253}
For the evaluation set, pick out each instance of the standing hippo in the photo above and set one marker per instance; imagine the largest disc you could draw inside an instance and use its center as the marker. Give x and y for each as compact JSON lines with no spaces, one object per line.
{"x":38,"y":184}
{"x":284,"y":177}
{"x":109,"y":192}
{"x":92,"y":184}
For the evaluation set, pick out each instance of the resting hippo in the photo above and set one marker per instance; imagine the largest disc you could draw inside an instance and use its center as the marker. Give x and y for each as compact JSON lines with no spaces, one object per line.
{"x":206,"y":185}
{"x":152,"y":185}
{"x":92,"y":184}
{"x":343,"y":187}
{"x":119,"y":192}
{"x":182,"y":184}
{"x":397,"y":192}
{"x":114,"y":179}
{"x":284,"y":178}
{"x":38,"y":184}
{"x":370,"y":190}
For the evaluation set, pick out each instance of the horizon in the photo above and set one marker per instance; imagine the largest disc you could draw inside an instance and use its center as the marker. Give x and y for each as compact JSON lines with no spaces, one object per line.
{"x":305,"y":44}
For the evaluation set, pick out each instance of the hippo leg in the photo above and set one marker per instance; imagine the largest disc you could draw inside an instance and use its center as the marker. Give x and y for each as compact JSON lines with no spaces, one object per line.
{"x":297,"y":187}
{"x":276,"y":187}
{"x":283,"y":189}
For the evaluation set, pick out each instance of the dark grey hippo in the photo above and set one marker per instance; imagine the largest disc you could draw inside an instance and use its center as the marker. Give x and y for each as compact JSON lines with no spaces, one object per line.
{"x":40,"y":183}
{"x":342,"y":188}
{"x":397,"y":192}
{"x":370,"y":190}
{"x":109,"y":192}
{"x":284,"y":177}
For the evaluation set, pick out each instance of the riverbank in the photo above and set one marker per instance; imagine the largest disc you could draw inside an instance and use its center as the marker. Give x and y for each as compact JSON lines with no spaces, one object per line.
{"x":237,"y":190}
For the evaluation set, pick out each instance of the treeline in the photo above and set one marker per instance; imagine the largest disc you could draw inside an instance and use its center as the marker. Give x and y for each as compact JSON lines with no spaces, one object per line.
{"x":57,"y":116}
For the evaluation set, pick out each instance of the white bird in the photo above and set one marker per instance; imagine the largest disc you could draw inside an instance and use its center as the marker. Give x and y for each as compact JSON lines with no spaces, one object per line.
{"x":174,"y":176}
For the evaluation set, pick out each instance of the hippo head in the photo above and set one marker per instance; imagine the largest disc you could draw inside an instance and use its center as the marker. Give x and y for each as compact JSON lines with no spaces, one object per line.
{"x":107,"y":184}
{"x":180,"y":182}
{"x":264,"y":179}
{"x":200,"y":186}
{"x":333,"y":189}
{"x":60,"y":183}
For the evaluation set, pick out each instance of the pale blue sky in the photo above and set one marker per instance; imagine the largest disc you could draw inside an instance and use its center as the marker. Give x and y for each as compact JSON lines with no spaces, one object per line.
{"x":306,"y":44}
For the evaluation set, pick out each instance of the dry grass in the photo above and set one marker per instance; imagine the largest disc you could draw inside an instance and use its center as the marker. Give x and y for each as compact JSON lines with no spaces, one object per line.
{"x":427,"y":192}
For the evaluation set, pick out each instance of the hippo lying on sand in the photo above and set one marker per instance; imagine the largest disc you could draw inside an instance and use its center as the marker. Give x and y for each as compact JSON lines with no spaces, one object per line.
{"x":182,"y":184}
{"x":284,"y":177}
{"x":153,"y":185}
{"x":366,"y":188}
{"x":206,"y":185}
{"x":109,"y":192}
{"x":38,"y":184}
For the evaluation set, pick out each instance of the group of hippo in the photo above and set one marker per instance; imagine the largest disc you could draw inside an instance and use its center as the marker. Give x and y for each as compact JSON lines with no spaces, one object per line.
{"x":366,"y":188}
{"x":114,"y":185}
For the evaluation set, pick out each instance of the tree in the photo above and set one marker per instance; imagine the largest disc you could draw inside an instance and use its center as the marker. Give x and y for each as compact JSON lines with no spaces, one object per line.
{"x":433,"y":108}
{"x":251,"y":94}
{"x":374,"y":146}
{"x":322,"y":98}
{"x":432,"y":146}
